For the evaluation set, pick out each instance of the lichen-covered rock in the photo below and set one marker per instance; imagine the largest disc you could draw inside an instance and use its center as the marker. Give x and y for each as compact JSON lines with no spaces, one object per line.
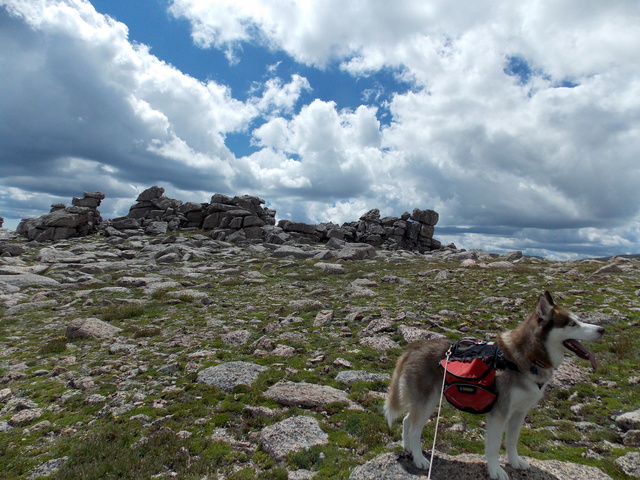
{"x":352,"y":376}
{"x":629,"y":420}
{"x":292,"y":435}
{"x":307,"y":395}
{"x":226,"y":376}
{"x":630,"y":463}
{"x":24,"y":417}
{"x":91,"y":328}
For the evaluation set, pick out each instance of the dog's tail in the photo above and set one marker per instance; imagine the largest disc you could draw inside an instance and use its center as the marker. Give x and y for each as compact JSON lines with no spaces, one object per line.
{"x":393,"y":407}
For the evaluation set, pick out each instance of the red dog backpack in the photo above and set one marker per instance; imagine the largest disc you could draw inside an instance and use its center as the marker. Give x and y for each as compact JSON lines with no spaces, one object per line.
{"x":470,"y":374}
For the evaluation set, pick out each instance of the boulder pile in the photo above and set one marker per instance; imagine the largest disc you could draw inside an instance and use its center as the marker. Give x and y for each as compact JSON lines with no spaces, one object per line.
{"x":230,"y":218}
{"x":244,"y":219}
{"x":239,"y":219}
{"x":78,"y":220}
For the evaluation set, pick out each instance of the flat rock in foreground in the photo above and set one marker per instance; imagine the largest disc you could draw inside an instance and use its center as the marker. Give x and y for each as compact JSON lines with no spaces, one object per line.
{"x":307,"y":395}
{"x":292,"y":435}
{"x":399,"y":466}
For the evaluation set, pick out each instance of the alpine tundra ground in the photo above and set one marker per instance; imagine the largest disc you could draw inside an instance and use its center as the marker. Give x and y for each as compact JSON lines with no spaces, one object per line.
{"x":131,"y":405}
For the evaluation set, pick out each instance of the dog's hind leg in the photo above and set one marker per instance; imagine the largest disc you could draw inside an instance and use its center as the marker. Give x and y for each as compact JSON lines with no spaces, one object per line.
{"x":412,"y":426}
{"x":513,"y":432}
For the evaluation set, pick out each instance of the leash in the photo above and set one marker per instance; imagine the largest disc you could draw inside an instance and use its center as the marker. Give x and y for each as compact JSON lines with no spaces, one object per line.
{"x":435,"y":434}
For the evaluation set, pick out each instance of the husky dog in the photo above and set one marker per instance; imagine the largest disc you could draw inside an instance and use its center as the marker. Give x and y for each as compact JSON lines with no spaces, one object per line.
{"x":534,"y":349}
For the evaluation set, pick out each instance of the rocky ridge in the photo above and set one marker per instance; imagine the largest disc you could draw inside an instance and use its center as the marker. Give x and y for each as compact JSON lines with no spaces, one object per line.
{"x":239,"y":220}
{"x":271,"y":361}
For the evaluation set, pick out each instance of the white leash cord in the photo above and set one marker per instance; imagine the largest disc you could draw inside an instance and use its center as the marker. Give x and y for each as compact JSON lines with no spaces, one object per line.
{"x":435,"y":434}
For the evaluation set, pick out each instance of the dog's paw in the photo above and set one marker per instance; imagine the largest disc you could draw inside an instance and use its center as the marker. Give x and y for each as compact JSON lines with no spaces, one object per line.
{"x":421,"y":462}
{"x":518,"y":462}
{"x":498,"y":473}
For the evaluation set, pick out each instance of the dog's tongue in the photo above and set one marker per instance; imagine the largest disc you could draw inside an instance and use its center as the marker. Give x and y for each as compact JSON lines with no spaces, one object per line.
{"x":581,"y":351}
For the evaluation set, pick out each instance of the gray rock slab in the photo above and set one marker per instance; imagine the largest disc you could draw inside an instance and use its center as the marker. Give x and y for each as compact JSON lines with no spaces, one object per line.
{"x":236,"y":337}
{"x":399,"y":466}
{"x":91,"y":328}
{"x":295,"y":252}
{"x":292,"y":435}
{"x":331,"y":268}
{"x":414,"y":334}
{"x":226,"y":376}
{"x":352,"y":376}
{"x":29,"y":280}
{"x":25,"y":307}
{"x":6,"y":289}
{"x":352,"y":252}
{"x":307,"y":395}
{"x":380,"y":343}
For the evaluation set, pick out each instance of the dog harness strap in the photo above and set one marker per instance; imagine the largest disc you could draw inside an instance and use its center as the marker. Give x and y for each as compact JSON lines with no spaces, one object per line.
{"x":502,"y":362}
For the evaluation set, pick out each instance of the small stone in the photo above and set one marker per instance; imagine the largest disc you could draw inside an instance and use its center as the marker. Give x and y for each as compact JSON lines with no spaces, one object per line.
{"x":168,"y":369}
{"x":304,"y":305}
{"x":82,"y":383}
{"x":323,"y":317}
{"x":331,"y":268}
{"x":25,"y":416}
{"x":375,"y":326}
{"x":381,"y":343}
{"x":94,"y":398}
{"x":48,"y":468}
{"x":236,"y":338}
{"x":414,"y":334}
{"x":631,"y":438}
{"x":121,"y":348}
{"x":441,"y":276}
{"x":341,"y":363}
{"x":629,"y":420}
{"x":501,"y":265}
{"x":284,"y":351}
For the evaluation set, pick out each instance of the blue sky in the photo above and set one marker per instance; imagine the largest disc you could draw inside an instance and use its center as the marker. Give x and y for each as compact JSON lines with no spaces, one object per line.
{"x":517,"y":121}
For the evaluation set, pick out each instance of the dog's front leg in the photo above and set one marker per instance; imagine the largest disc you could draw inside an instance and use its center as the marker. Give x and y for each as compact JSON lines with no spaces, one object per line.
{"x":492,"y":442}
{"x":513,"y":433}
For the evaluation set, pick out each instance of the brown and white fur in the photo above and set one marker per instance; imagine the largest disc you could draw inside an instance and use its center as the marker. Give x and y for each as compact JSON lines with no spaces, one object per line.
{"x":535,"y":346}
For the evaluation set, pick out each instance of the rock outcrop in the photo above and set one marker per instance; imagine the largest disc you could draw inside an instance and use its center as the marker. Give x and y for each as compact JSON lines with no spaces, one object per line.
{"x":239,"y":219}
{"x":78,"y":220}
{"x":244,"y":219}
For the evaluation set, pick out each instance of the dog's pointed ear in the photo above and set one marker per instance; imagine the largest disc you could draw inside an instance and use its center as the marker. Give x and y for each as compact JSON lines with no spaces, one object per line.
{"x":544,"y":307}
{"x":549,"y":298}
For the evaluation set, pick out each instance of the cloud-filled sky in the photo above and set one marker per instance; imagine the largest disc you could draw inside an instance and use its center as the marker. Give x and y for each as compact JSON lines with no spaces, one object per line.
{"x":519,"y":122}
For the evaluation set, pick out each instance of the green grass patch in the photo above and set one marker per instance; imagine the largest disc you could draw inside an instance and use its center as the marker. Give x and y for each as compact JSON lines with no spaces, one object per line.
{"x":123,"y":311}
